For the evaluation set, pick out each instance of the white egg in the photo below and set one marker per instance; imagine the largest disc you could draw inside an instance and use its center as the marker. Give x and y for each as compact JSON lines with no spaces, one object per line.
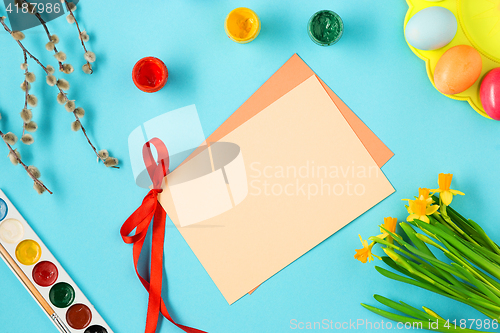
{"x":431,"y":28}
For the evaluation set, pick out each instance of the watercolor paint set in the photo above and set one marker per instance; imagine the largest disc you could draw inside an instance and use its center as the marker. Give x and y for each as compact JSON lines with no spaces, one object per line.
{"x":43,"y":276}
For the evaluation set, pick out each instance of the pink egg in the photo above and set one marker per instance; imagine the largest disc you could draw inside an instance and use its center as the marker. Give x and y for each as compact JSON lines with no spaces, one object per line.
{"x":490,"y":93}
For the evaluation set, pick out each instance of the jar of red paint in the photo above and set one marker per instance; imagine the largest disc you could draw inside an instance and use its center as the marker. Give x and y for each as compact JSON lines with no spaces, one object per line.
{"x":150,"y":74}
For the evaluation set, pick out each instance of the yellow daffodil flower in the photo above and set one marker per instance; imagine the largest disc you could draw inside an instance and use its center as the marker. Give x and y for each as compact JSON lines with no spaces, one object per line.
{"x":444,"y":191}
{"x":365,"y":253}
{"x":419,"y":209}
{"x":390,"y":224}
{"x":424,"y":193}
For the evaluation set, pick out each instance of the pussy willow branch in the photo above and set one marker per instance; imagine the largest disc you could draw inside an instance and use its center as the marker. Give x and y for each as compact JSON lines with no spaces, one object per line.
{"x":25,"y":88}
{"x":60,"y":90}
{"x":13,"y":153}
{"x":44,"y":24}
{"x":79,"y":33}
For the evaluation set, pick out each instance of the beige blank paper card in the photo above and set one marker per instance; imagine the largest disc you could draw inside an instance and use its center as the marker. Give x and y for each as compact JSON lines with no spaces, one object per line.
{"x":307,"y":176}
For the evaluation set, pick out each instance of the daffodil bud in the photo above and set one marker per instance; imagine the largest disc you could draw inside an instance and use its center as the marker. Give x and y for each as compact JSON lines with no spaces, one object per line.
{"x":398,"y":259}
{"x":432,"y":313}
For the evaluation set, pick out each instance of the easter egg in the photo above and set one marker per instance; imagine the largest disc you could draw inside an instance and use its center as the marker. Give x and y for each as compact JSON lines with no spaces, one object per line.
{"x":431,"y":28}
{"x":490,"y":93}
{"x":457,"y":69}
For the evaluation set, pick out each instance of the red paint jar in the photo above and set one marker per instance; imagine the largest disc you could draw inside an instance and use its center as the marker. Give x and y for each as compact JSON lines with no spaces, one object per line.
{"x":150,"y":74}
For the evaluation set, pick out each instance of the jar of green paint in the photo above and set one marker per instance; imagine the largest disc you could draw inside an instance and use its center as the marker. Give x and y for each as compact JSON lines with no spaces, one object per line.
{"x":325,"y":27}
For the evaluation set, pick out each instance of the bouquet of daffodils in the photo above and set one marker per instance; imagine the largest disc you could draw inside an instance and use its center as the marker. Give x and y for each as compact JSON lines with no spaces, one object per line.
{"x":470,"y":274}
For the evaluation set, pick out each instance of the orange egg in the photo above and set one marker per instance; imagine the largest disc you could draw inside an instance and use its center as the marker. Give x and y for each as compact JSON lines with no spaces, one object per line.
{"x":457,"y":69}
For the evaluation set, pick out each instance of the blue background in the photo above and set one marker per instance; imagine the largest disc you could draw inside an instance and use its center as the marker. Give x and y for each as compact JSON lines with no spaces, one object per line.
{"x":371,"y":69}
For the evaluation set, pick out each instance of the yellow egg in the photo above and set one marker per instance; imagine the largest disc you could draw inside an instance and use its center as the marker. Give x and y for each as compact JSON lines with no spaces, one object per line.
{"x":457,"y":69}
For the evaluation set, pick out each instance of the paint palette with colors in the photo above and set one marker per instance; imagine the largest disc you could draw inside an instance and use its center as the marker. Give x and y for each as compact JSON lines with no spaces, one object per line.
{"x":43,"y":276}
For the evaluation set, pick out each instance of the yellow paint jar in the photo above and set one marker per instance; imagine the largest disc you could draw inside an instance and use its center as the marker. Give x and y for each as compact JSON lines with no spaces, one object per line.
{"x":28,"y":252}
{"x":242,"y":25}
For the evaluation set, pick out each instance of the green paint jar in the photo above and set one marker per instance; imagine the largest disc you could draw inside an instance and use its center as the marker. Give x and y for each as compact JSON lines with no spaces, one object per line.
{"x":325,"y":27}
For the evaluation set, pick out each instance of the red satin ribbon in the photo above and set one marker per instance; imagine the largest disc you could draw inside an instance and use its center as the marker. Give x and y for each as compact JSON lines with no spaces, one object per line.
{"x":140,"y":220}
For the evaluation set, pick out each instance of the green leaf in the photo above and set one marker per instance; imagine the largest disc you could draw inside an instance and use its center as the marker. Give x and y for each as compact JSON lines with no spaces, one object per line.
{"x":421,"y":284}
{"x":479,"y":285}
{"x":416,"y":322}
{"x":404,"y":309}
{"x":484,"y":236}
{"x":464,"y":250}
{"x":487,"y":253}
{"x":416,"y":241}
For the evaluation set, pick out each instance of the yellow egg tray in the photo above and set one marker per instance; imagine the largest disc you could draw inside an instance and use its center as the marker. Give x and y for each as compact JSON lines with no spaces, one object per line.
{"x":478,"y":26}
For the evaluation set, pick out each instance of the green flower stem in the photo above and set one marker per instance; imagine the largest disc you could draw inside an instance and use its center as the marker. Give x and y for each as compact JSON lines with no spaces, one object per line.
{"x":404,"y":308}
{"x":473,"y":229}
{"x":403,"y":319}
{"x":431,"y":259}
{"x":395,"y":247}
{"x":476,"y":273}
{"x":456,"y":290}
{"x":494,"y":247}
{"x":433,"y":289}
{"x":440,"y":221}
{"x":436,"y":281}
{"x":429,"y":241}
{"x":479,"y":284}
{"x":410,"y":232}
{"x":423,"y":285}
{"x":457,"y":258}
{"x":487,"y":253}
{"x":454,"y":226}
{"x":464,"y":250}
{"x":486,"y":305}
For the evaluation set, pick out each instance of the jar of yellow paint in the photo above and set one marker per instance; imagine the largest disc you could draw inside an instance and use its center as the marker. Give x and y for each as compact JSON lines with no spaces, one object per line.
{"x":242,"y":25}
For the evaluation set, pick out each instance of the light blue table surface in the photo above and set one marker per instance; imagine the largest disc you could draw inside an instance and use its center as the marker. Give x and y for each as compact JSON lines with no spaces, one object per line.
{"x":371,"y":69}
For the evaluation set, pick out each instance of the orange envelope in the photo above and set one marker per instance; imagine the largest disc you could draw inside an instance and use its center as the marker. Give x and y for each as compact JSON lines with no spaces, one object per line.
{"x":308,"y":175}
{"x":292,"y":73}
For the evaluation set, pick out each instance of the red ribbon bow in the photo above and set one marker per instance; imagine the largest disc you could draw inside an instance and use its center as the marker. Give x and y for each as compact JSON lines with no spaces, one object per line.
{"x":140,"y":220}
